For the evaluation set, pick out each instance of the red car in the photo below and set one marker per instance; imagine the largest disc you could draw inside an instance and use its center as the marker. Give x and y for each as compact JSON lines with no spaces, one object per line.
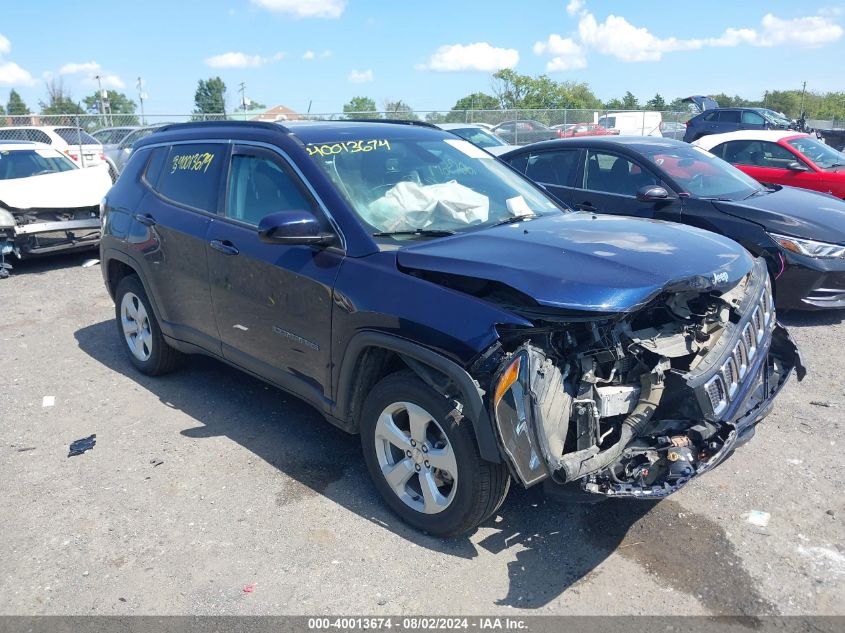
{"x":571,"y":130}
{"x":781,"y":157}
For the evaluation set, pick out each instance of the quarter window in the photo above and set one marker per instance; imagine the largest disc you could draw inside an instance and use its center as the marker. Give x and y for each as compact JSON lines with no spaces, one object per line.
{"x":260,"y":185}
{"x":752,"y":118}
{"x":190,"y":175}
{"x":614,"y":174}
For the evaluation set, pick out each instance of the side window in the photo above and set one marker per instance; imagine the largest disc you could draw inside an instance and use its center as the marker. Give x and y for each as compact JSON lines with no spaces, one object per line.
{"x":737,"y":152}
{"x":519,"y":163}
{"x":752,"y":118}
{"x":154,"y":167}
{"x":709,"y":116}
{"x":553,"y":168}
{"x":774,"y":156}
{"x":13,"y":135}
{"x":729,"y":116}
{"x":614,"y":174}
{"x":260,"y":184}
{"x":191,"y":175}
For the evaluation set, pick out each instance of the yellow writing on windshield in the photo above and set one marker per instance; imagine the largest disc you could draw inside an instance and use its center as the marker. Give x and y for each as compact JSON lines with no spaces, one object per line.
{"x":327,"y":149}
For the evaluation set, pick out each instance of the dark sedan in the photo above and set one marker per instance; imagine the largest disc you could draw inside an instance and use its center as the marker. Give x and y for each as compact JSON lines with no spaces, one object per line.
{"x":800,"y":233}
{"x":524,"y":131}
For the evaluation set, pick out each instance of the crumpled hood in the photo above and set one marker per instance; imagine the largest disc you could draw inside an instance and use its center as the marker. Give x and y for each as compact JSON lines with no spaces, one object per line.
{"x":579,"y":261}
{"x":795,"y":212}
{"x":62,"y":190}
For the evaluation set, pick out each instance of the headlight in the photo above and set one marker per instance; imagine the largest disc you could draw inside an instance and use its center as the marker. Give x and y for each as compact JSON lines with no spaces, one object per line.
{"x":7,"y":220}
{"x":810,"y":248}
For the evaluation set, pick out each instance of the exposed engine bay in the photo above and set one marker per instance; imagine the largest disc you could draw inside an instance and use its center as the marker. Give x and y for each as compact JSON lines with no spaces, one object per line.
{"x":636,"y":404}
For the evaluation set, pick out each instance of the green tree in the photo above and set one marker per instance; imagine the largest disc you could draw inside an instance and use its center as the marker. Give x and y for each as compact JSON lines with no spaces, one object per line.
{"x":115,"y":103}
{"x":398,"y":109}
{"x":59,"y":101}
{"x":656,"y":103}
{"x":515,"y":91}
{"x":16,"y":104}
{"x":614,"y":104}
{"x":361,"y":108}
{"x":210,"y":99}
{"x":630,"y":102}
{"x":439,"y":117}
{"x":251,"y":106}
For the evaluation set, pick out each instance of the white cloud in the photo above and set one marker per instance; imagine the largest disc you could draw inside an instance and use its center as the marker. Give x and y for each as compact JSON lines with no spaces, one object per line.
{"x":312,"y":55}
{"x":566,"y":53}
{"x":617,"y":37}
{"x":480,"y":56}
{"x":5,"y":45}
{"x":304,"y":8}
{"x":85,"y":67}
{"x":235,"y":60}
{"x":575,"y":6}
{"x":308,"y":55}
{"x":13,"y":75}
{"x":360,"y":77}
{"x":325,"y":54}
{"x":279,"y":56}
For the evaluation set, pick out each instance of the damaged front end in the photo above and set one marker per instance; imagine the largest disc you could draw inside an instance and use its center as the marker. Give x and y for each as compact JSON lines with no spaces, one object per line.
{"x":38,"y":231}
{"x":637,"y":404}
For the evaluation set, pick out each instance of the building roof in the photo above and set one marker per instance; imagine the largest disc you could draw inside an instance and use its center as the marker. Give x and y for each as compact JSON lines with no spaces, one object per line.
{"x":278,"y":113}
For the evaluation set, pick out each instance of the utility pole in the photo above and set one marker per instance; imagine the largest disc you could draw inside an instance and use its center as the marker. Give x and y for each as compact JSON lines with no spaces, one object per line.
{"x":803,"y":90}
{"x":243,"y":98}
{"x":141,"y":97}
{"x":100,"y":95}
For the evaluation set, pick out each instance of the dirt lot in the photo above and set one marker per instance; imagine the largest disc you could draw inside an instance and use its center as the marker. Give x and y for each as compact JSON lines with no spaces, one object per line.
{"x":255,"y":490}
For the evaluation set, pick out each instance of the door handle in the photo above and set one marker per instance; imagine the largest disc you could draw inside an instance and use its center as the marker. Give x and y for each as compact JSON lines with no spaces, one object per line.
{"x":224,"y":246}
{"x":586,"y":206}
{"x":146,"y":219}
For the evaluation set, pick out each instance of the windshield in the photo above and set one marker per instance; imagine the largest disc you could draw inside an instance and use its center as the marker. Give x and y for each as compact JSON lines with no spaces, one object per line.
{"x":775,"y":117}
{"x":108,"y":137}
{"x":32,"y":162}
{"x":136,"y":135}
{"x":824,"y":156}
{"x":439,"y":184}
{"x":75,"y":136}
{"x":701,"y":174}
{"x":479,"y":137}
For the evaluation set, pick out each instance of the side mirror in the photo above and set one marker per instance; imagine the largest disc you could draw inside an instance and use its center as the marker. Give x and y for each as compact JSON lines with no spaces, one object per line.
{"x":652,"y":193}
{"x":796,"y":166}
{"x":293,"y":227}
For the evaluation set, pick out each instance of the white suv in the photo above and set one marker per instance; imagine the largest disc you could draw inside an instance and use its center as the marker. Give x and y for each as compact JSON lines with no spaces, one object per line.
{"x":75,"y":143}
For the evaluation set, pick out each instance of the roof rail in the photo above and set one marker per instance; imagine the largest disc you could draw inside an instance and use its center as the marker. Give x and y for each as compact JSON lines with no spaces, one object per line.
{"x":201,"y":124}
{"x":395,"y":121}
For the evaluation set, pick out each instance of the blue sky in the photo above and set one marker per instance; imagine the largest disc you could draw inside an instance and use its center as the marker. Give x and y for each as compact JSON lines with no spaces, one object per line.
{"x":429,"y":54}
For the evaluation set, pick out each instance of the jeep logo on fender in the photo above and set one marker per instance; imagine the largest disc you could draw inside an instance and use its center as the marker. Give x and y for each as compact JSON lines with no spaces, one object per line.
{"x":720,"y":278}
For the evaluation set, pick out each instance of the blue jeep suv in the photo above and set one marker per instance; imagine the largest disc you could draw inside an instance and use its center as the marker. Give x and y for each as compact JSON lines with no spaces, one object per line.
{"x":428,"y":297}
{"x":721,"y":120}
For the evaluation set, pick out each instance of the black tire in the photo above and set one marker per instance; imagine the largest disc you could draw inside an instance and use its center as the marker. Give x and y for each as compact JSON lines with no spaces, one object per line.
{"x":162,"y":358}
{"x":481,"y":486}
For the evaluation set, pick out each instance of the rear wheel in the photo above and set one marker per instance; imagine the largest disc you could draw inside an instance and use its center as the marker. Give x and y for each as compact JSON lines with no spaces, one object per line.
{"x":423,"y":458}
{"x":138,"y":328}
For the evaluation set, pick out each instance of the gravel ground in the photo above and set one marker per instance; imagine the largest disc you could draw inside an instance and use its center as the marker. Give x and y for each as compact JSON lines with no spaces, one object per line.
{"x":207,"y":483}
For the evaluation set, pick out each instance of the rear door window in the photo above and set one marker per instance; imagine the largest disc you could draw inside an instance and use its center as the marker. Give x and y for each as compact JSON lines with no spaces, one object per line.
{"x":189,"y":175}
{"x":75,"y":136}
{"x":553,"y":168}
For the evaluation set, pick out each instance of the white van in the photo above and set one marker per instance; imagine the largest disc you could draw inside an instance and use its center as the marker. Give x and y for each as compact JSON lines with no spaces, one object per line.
{"x":643,"y":123}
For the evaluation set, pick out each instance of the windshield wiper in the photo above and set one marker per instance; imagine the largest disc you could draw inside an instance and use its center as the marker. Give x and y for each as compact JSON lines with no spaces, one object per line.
{"x":516,"y":218}
{"x":421,"y":232}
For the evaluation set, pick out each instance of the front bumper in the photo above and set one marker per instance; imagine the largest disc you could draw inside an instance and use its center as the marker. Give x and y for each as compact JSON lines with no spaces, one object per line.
{"x":810,"y":284}
{"x":41,"y":238}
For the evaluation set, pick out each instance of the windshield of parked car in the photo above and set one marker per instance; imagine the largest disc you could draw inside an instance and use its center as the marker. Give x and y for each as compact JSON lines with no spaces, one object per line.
{"x":109,"y":137}
{"x":775,"y":117}
{"x":32,"y":162}
{"x":435,"y":185}
{"x":700,"y":174}
{"x":136,"y":135}
{"x":75,"y":136}
{"x":824,"y":156}
{"x":477,"y":136}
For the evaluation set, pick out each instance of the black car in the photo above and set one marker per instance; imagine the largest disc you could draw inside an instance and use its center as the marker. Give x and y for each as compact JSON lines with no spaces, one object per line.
{"x":721,"y":120}
{"x":524,"y":131}
{"x":800,"y":233}
{"x":421,"y":293}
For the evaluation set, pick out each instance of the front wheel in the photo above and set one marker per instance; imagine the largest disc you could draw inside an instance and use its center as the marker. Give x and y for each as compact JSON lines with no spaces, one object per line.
{"x":422,"y":456}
